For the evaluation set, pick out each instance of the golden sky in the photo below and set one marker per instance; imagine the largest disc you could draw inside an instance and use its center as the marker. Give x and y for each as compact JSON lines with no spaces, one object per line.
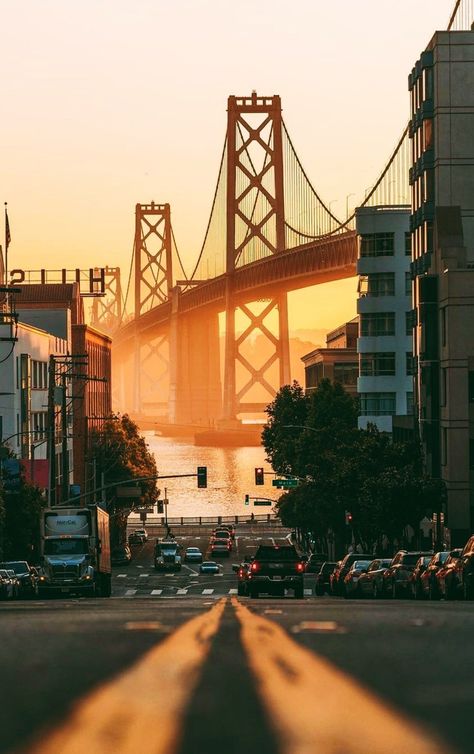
{"x":111,"y":102}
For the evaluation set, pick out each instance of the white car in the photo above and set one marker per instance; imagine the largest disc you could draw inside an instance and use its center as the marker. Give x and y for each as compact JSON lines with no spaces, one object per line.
{"x":142,"y":533}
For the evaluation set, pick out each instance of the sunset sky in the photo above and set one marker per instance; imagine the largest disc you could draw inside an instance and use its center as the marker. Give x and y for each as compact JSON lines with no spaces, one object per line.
{"x":108,"y":103}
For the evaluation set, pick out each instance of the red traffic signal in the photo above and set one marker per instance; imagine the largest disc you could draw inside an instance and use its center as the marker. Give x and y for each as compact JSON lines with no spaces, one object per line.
{"x":259,"y":476}
{"x":348,"y":518}
{"x":202,"y":476}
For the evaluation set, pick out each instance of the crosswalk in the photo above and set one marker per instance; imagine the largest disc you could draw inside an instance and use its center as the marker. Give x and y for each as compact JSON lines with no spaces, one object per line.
{"x":175,"y":592}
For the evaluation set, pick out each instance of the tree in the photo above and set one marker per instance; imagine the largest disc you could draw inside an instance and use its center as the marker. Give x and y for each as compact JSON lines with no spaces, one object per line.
{"x":121,"y":454}
{"x":21,"y":522}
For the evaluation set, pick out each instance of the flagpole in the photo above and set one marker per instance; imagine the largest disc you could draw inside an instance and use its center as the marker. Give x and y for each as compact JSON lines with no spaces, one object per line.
{"x":7,"y":240}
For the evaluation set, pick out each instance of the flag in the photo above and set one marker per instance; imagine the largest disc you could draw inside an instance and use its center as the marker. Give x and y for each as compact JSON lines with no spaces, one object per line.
{"x":8,"y":237}
{"x":2,"y":268}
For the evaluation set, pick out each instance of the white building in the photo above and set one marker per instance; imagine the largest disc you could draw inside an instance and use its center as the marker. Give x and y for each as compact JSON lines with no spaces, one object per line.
{"x":24,"y":393}
{"x":385,"y":383}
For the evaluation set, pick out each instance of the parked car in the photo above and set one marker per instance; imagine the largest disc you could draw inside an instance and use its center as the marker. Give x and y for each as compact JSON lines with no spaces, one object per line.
{"x":209,"y":566}
{"x":340,"y":573}
{"x":462,"y":578}
{"x":6,"y":585}
{"x":27,"y":576}
{"x":370,"y":582}
{"x":135,"y":538}
{"x":428,"y":581}
{"x":142,"y":532}
{"x":351,"y":579}
{"x":415,"y":587}
{"x":16,"y":582}
{"x":315,"y":561}
{"x":396,"y":579}
{"x":192,"y":555}
{"x":444,"y":575}
{"x":322,"y":584}
{"x":121,"y":555}
{"x":242,"y":571}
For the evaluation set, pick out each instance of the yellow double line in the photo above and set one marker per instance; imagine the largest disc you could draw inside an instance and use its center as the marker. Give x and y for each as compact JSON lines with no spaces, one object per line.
{"x":314,"y":708}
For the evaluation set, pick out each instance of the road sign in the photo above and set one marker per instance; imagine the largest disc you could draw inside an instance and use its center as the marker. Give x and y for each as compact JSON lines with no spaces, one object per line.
{"x":262,"y":502}
{"x":284,"y":484}
{"x":129,"y":492}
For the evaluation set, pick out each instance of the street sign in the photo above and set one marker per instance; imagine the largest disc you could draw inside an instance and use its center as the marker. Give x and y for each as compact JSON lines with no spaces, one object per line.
{"x":145,"y":510}
{"x":129,"y":492}
{"x":284,"y":484}
{"x":262,"y":502}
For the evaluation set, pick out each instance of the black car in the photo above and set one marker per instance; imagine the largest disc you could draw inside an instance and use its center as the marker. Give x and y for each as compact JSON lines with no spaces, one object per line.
{"x":396,"y":579}
{"x":322,"y":585}
{"x":340,"y":573}
{"x":26,"y":574}
{"x":462,"y":578}
{"x":315,"y":561}
{"x":121,"y":555}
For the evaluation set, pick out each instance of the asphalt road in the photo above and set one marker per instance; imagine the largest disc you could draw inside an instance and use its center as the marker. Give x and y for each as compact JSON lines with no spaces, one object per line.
{"x":193,"y":673}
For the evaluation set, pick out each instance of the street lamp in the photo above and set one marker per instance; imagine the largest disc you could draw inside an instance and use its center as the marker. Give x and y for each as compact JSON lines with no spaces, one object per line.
{"x":347,"y":204}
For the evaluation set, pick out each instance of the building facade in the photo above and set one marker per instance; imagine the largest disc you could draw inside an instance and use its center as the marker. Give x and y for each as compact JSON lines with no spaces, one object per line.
{"x":442,"y":223}
{"x":384,"y":345}
{"x":337,"y":362}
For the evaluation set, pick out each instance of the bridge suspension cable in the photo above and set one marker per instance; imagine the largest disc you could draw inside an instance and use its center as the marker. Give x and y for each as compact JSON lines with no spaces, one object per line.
{"x":462,"y":16}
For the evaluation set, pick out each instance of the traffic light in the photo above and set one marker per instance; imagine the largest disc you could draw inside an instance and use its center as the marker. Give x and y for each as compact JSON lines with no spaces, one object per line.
{"x":202,"y":476}
{"x":247,"y":499}
{"x":259,"y":478}
{"x":160,"y":506}
{"x":348,"y":518}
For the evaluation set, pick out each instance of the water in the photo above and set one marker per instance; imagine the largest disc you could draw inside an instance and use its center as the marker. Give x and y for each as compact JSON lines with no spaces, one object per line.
{"x":230,"y":476}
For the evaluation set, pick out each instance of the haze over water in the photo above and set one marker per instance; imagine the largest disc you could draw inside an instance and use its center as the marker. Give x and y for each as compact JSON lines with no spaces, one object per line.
{"x":230,"y":476}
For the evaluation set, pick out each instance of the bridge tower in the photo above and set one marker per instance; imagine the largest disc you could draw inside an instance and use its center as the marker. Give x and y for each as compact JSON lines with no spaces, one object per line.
{"x":255,"y":229}
{"x":107,"y":311}
{"x":153,"y":276}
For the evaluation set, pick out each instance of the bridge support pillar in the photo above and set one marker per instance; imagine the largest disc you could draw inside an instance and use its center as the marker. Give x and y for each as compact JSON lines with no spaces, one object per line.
{"x":137,"y":396}
{"x":283,"y":340}
{"x":229,"y":414}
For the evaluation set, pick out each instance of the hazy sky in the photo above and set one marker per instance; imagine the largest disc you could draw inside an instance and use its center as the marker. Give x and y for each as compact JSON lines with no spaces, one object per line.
{"x":111,"y":102}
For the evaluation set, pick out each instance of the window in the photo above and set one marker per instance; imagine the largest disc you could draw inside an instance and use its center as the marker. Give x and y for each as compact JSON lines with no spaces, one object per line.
{"x":443,"y":325}
{"x":444,"y":446}
{"x":410,"y":404}
{"x":39,"y":375}
{"x":377,"y":364}
{"x":377,"y":245}
{"x":409,"y":322}
{"x":444,"y":386}
{"x":381,"y":284}
{"x":377,"y":404}
{"x":38,"y":425}
{"x":408,"y":244}
{"x":407,"y":283}
{"x":409,"y":363}
{"x":346,"y":373}
{"x":428,"y":184}
{"x":427,"y":134}
{"x":377,"y":323}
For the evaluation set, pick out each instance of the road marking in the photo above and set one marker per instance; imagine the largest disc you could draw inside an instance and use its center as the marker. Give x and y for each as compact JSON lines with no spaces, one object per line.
{"x":146,"y":625}
{"x":144,"y":575}
{"x":291,"y":677}
{"x":121,"y":575}
{"x":308,"y":592}
{"x":232,"y":591}
{"x":208,"y":591}
{"x":156,"y":592}
{"x":195,"y":573}
{"x":273,"y":612}
{"x":182,"y":591}
{"x":130,"y":592}
{"x":319,"y":626}
{"x":139,"y":566}
{"x":170,"y":574}
{"x":124,"y":713}
{"x":217,"y":574}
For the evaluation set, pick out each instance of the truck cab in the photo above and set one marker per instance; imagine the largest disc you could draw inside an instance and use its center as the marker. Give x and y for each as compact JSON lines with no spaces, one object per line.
{"x":167,"y":555}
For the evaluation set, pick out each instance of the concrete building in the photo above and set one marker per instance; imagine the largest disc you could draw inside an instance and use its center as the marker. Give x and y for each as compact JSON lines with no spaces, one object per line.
{"x":24,"y":398}
{"x":385,"y":383}
{"x":442,"y":222}
{"x":337,"y":362}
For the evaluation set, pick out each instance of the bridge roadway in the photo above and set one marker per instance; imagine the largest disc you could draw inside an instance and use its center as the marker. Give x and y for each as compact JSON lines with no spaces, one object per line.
{"x":202,"y":670}
{"x":326,"y":260}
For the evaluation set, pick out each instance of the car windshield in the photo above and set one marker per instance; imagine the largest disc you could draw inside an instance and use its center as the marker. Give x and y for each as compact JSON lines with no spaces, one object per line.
{"x":20,"y":567}
{"x":209,"y":563}
{"x":328,"y":568}
{"x":66,"y":547}
{"x":359,"y":564}
{"x":410,"y":558}
{"x":266,"y":552}
{"x":193,"y":549}
{"x":4,"y":574}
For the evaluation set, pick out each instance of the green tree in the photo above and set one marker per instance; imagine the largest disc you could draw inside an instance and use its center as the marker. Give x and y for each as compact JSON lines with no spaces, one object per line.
{"x":121,"y":454}
{"x":21,"y":523}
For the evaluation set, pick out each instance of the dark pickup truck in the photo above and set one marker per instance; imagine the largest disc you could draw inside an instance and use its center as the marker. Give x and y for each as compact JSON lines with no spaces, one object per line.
{"x":274,"y":569}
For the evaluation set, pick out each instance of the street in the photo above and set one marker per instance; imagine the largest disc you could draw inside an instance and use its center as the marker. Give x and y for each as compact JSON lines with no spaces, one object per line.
{"x":193,"y":668}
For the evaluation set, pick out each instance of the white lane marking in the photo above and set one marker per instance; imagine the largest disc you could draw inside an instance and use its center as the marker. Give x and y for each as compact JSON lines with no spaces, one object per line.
{"x":182,"y":591}
{"x":139,"y":566}
{"x":217,"y":574}
{"x":319,"y":626}
{"x":208,"y":591}
{"x":308,"y":592}
{"x":232,"y":591}
{"x":170,"y":574}
{"x":156,"y":592}
{"x":121,"y":575}
{"x":195,"y":573}
{"x":272,"y":541}
{"x":130,"y":592}
{"x":144,"y":575}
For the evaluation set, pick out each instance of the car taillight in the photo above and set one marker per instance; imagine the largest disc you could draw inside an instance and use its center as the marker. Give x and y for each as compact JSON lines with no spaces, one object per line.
{"x":241,"y":573}
{"x":254,"y":567}
{"x":300,"y":567}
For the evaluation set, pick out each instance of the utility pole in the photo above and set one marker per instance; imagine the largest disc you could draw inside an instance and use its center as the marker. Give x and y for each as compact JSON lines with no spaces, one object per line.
{"x":51,"y":416}
{"x":64,"y":438}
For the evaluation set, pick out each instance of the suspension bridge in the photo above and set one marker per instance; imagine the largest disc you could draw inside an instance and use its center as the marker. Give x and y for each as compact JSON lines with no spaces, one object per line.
{"x":269,"y":233}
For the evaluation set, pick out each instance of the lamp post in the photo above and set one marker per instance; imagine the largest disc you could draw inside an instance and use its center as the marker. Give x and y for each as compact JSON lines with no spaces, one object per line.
{"x":347,"y":204}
